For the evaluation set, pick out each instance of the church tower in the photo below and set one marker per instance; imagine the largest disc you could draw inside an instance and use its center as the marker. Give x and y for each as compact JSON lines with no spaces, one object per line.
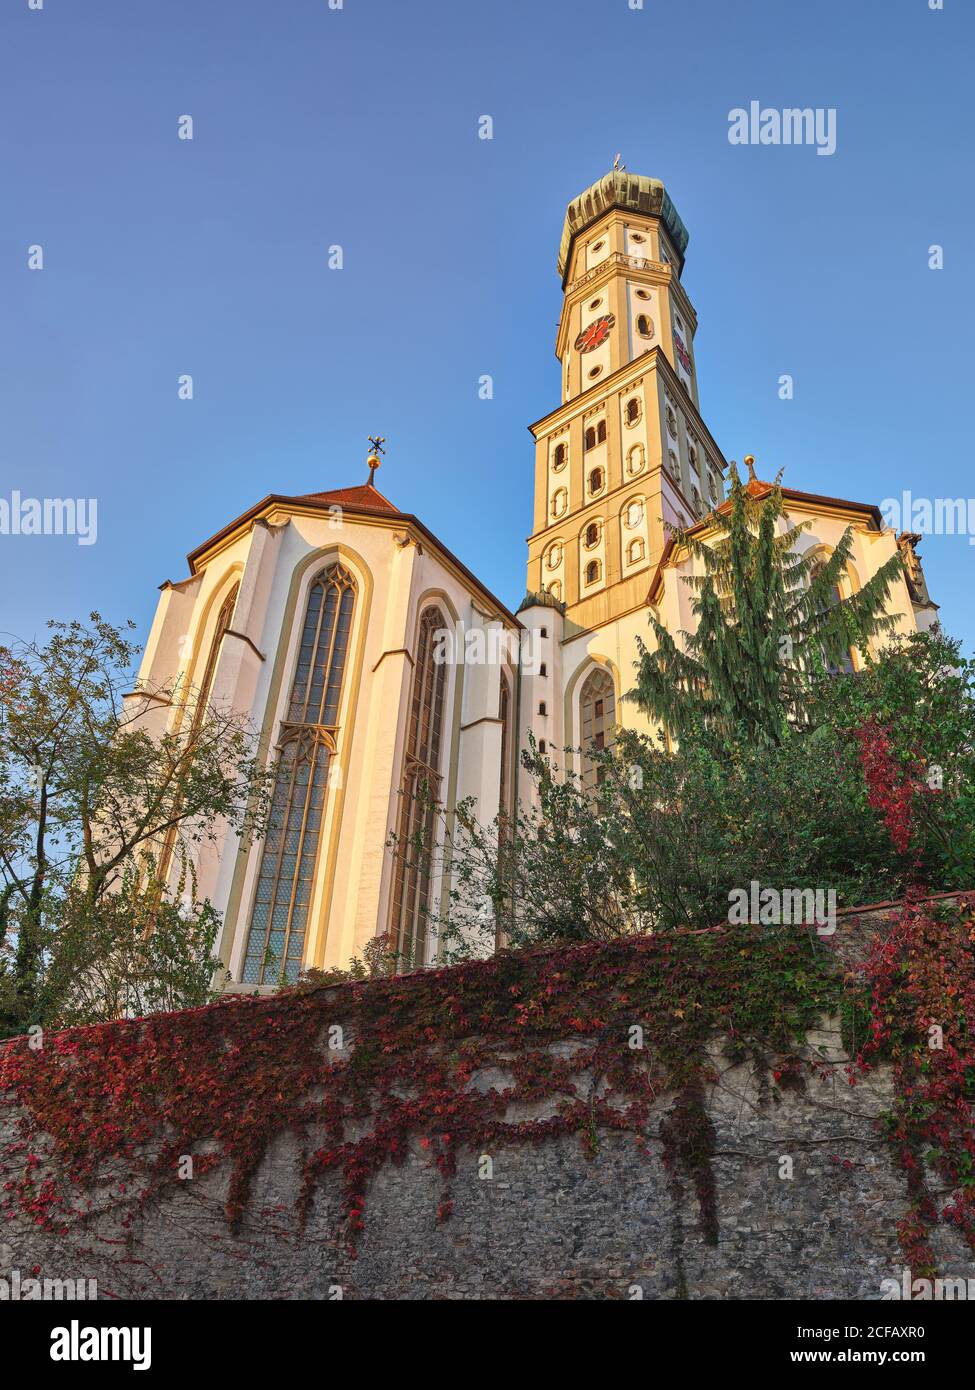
{"x":627,"y":450}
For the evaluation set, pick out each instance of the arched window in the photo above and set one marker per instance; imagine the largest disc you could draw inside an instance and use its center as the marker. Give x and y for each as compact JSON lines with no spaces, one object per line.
{"x":224,"y":619}
{"x":307,"y":744}
{"x":504,"y":715}
{"x":560,"y":500}
{"x":592,"y":571}
{"x":595,"y":480}
{"x":635,"y":460}
{"x":601,"y":432}
{"x":554,"y":557}
{"x":598,"y":714}
{"x":559,"y":457}
{"x":846,"y":666}
{"x":590,"y":438}
{"x":419,"y":790}
{"x":634,"y":513}
{"x":632,"y":413}
{"x":643,"y":326}
{"x":201,"y":701}
{"x":591,"y":534}
{"x":635,"y":551}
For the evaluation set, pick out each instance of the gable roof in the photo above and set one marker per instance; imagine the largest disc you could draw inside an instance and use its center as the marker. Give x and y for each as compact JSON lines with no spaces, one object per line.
{"x":364,"y":500}
{"x":758,"y":489}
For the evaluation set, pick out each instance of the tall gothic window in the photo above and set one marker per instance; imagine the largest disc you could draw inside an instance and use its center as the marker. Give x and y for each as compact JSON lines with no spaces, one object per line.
{"x":419,"y":790}
{"x":201,"y":701}
{"x":504,"y":714}
{"x":307,"y":744}
{"x":598,"y":710}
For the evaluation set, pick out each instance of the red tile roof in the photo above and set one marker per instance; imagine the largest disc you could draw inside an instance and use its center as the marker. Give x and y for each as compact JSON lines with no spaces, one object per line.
{"x":364,"y":496}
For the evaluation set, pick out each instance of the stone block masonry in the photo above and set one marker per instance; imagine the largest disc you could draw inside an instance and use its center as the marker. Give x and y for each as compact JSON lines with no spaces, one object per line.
{"x":782,"y":1187}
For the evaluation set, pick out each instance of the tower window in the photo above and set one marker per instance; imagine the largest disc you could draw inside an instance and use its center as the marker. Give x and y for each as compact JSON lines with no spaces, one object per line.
{"x":595,"y":303}
{"x":632,"y":411}
{"x":592,"y":571}
{"x":644,"y":327}
{"x":554,"y":556}
{"x":542,"y":746}
{"x":559,"y":457}
{"x":634,"y":514}
{"x":601,"y":432}
{"x":590,"y":438}
{"x":543,"y":632}
{"x":560,"y":500}
{"x":636,"y":236}
{"x":635,"y":459}
{"x":594,"y":372}
{"x":591,"y":534}
{"x":542,"y":669}
{"x":635,"y":551}
{"x":596,"y":480}
{"x":541,"y":707}
{"x":643,"y":294}
{"x":598,"y":246}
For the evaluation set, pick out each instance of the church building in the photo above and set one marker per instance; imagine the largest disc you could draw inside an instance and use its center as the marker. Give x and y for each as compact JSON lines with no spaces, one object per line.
{"x":372,"y":660}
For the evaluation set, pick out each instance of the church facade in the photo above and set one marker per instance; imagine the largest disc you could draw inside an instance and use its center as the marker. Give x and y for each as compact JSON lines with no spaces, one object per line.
{"x":372,"y":660}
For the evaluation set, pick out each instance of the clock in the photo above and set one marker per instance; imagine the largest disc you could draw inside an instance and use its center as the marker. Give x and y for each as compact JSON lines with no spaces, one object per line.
{"x":596,"y":333}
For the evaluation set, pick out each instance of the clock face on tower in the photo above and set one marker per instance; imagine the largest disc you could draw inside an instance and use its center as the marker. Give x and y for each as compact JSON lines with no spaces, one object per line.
{"x":596,"y":333}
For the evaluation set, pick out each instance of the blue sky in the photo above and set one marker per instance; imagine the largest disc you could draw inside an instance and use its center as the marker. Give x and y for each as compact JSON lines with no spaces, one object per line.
{"x":358,"y":127}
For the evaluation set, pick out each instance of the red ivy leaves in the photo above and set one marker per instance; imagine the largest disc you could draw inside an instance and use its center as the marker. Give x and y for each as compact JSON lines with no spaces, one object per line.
{"x":892,"y":787}
{"x":110,"y":1112}
{"x":921,"y":979}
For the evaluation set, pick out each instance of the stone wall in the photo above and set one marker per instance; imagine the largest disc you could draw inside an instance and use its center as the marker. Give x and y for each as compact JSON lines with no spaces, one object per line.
{"x":549,"y":1222}
{"x":808,"y":1203}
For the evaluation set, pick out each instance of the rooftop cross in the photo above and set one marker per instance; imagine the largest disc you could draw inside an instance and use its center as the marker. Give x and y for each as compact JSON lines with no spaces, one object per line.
{"x":373,"y":460}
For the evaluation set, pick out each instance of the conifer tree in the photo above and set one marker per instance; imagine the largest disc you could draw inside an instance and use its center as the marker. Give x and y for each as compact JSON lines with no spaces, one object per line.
{"x":768,"y":622}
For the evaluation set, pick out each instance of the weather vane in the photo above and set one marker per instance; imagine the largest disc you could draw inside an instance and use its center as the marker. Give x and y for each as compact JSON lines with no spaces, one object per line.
{"x":373,"y":460}
{"x":617,"y":165}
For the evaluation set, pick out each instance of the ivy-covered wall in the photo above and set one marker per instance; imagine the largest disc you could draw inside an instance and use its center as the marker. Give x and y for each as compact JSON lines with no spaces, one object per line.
{"x":659,"y":1119}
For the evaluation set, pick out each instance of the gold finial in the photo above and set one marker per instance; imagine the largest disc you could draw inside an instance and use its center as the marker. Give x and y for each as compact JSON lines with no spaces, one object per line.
{"x":750,"y":465}
{"x":374,"y":460}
